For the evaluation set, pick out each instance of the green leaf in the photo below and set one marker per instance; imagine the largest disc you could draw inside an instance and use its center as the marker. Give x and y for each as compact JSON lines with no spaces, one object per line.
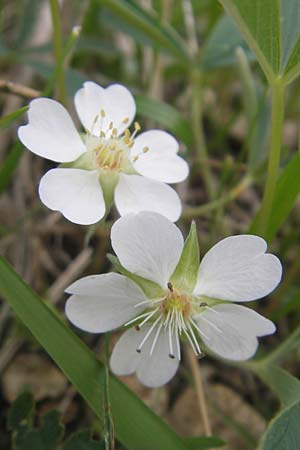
{"x":47,"y":437}
{"x":7,"y":120}
{"x":166,"y":115}
{"x":21,"y":411}
{"x":186,"y":272}
{"x":282,"y":383}
{"x":290,"y":19}
{"x":259,"y":22}
{"x":135,"y":425}
{"x":201,"y":443}
{"x":82,"y":441}
{"x":150,"y":289}
{"x":219,"y":49}
{"x":283,"y":432}
{"x":10,"y":164}
{"x":287,"y":190}
{"x":158,"y":32}
{"x":272,"y":30}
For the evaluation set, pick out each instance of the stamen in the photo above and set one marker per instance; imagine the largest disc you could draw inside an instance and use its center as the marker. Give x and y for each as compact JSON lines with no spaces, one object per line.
{"x":149,"y":317}
{"x":170,"y":286}
{"x":190,"y":341}
{"x":147,"y":335}
{"x":126,"y":120}
{"x":146,"y":149}
{"x":194,"y":339}
{"x":102,"y":112}
{"x":177,"y":343}
{"x":156,"y":337}
{"x":102,"y":134}
{"x":171,"y":354}
{"x":198,"y":329}
{"x":144,"y":302}
{"x":136,"y":318}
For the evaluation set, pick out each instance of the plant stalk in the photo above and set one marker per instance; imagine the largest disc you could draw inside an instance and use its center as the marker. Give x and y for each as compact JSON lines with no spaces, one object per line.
{"x":199,"y":390}
{"x":58,"y":51}
{"x":274,"y":155}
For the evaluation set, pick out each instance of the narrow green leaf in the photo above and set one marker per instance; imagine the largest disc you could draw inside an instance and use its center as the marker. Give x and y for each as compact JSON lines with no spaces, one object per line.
{"x":135,"y":425}
{"x":150,"y":289}
{"x":219,"y":49}
{"x":186,"y":272}
{"x":160,"y":33}
{"x":259,"y":23}
{"x":283,"y":432}
{"x":287,"y":190}
{"x":166,"y":115}
{"x":6,"y":121}
{"x":201,"y":443}
{"x":9,"y":165}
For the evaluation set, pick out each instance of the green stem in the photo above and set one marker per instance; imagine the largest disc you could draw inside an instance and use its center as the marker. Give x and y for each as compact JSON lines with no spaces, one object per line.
{"x":108,"y":428}
{"x":195,"y":211}
{"x":274,"y":155}
{"x":197,"y":123}
{"x":58,"y":50}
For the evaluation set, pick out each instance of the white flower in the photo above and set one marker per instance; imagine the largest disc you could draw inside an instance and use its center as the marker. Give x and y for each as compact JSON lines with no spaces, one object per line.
{"x":179,"y":300}
{"x":106,"y":163}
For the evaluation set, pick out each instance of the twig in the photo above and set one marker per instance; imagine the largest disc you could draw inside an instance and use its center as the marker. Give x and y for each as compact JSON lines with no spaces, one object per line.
{"x":18,"y":89}
{"x":71,"y":272}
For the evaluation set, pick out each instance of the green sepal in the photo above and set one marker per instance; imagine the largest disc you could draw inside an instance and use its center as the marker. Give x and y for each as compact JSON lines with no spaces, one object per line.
{"x":185,"y":275}
{"x":150,"y":289}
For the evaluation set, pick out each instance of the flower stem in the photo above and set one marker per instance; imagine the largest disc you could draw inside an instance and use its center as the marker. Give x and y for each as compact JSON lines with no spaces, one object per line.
{"x":197,"y":119}
{"x":194,"y":211}
{"x":199,"y":390}
{"x":58,"y":50}
{"x":274,"y":155}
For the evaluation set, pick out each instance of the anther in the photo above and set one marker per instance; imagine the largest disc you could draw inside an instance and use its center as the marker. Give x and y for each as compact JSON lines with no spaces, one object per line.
{"x":102,"y":134}
{"x":111,"y":125}
{"x":170,"y":286}
{"x":137,"y":126}
{"x":146,"y":149}
{"x":171,"y":356}
{"x":126,"y":120}
{"x":138,"y":350}
{"x":114,"y":132}
{"x":135,"y":158}
{"x":200,"y":355}
{"x":137,"y":328}
{"x":203,"y":304}
{"x":102,"y":112}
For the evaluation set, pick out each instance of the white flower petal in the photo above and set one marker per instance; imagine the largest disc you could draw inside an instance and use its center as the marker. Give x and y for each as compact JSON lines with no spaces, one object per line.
{"x":76,"y":193}
{"x":116,"y":101}
{"x":160,"y":162}
{"x":135,"y":193}
{"x":148,"y":245}
{"x":152,"y":370}
{"x":231,"y":331}
{"x":103,"y":302}
{"x":50,"y":132}
{"x":239,"y":270}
